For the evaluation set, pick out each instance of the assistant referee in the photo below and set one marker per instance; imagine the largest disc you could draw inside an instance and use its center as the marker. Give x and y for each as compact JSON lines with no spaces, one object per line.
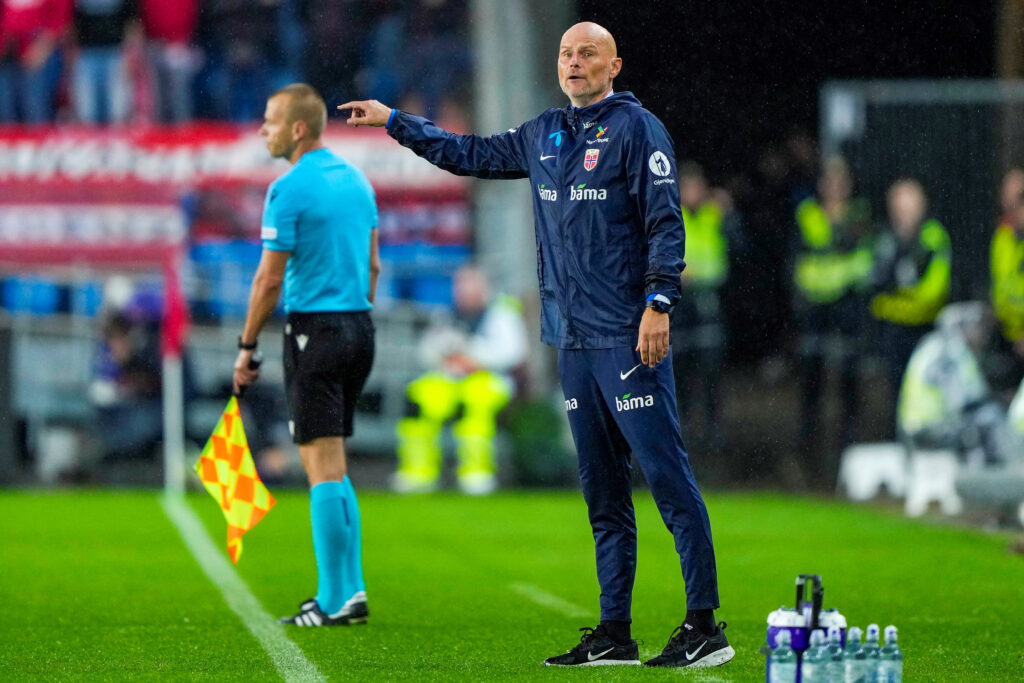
{"x":319,"y":244}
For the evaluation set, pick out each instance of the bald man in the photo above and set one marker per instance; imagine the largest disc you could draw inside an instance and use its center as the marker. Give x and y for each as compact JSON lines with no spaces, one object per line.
{"x":319,"y":245}
{"x":610,"y":246}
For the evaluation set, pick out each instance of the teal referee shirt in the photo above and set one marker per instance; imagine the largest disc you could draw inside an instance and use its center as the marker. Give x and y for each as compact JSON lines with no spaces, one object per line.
{"x":323,"y":211}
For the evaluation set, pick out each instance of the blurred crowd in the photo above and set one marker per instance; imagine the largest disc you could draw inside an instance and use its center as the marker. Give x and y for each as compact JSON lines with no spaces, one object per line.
{"x":789,"y":268}
{"x":119,"y":61}
{"x":126,"y":397}
{"x":793,"y":266}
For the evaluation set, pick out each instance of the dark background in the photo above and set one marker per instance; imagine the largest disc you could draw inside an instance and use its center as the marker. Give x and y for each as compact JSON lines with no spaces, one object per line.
{"x":728,"y":78}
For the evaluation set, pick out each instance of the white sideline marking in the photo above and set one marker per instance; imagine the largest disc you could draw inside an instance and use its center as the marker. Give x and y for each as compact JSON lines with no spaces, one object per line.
{"x":538,"y":595}
{"x":289,"y":660}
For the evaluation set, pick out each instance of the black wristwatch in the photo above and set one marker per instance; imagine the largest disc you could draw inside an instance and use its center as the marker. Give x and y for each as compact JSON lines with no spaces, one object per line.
{"x":659,"y":303}
{"x":247,"y":347}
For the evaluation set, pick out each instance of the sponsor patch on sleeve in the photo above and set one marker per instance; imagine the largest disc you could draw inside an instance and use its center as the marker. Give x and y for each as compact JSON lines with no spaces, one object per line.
{"x":659,"y":164}
{"x":268,"y":233}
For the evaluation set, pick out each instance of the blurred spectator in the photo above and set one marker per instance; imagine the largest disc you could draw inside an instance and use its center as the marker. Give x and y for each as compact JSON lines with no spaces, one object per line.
{"x":169,"y":27}
{"x":127,"y":389}
{"x":698,"y":332}
{"x":911,"y":279}
{"x":412,"y":102}
{"x":31,"y":35}
{"x":244,"y":53}
{"x":1000,"y":483}
{"x":337,"y":28}
{"x":100,"y":89}
{"x":381,"y":77}
{"x":833,"y":263}
{"x":945,"y":402}
{"x":765,"y":289}
{"x":441,"y":61}
{"x":470,"y":359}
{"x":291,"y":33}
{"x":1010,"y":190}
{"x":802,"y":150}
{"x":452,"y":116}
{"x":1007,"y":293}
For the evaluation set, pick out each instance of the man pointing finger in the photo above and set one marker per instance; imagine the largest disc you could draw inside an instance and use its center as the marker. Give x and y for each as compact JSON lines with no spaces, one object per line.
{"x":610,"y":251}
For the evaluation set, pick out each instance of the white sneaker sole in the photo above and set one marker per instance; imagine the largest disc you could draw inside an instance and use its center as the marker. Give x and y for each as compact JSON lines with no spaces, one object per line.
{"x":716,"y":658}
{"x":599,"y":662}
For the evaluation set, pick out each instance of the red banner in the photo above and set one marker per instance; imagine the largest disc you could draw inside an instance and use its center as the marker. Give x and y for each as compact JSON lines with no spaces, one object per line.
{"x":121,"y":195}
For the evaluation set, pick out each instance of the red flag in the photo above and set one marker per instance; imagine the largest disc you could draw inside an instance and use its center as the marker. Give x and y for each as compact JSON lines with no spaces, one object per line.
{"x":174,"y":330}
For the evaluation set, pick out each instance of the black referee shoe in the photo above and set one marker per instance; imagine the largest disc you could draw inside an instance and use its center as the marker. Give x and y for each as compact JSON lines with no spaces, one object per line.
{"x":689,"y":647}
{"x":597,"y":649}
{"x":310,"y":614}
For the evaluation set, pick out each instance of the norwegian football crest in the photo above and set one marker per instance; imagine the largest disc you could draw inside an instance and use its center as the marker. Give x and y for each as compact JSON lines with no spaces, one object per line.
{"x":590,"y":160}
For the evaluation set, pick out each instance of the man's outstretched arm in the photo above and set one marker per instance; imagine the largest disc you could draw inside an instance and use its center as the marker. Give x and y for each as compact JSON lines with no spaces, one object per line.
{"x":499,"y":156}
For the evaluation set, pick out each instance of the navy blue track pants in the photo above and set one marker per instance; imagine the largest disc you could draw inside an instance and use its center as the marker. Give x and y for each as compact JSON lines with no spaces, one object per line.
{"x":618,"y":407}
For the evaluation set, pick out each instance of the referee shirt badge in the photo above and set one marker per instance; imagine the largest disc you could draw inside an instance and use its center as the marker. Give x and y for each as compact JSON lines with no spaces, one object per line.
{"x":590,"y":160}
{"x":301,"y":340}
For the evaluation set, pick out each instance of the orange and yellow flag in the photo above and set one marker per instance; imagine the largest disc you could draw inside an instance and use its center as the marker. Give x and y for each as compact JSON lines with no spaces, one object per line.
{"x":229,"y":474}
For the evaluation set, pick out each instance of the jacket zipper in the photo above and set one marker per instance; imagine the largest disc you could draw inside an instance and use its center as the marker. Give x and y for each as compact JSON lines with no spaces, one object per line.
{"x":559,"y":167}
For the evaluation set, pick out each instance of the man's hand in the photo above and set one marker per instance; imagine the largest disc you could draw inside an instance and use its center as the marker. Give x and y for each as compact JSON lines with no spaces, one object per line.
{"x":653,"y":341}
{"x":367,"y":113}
{"x":244,"y":375}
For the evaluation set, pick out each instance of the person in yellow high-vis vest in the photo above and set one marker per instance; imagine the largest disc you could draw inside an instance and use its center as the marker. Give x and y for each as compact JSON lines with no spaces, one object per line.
{"x":911,"y":280}
{"x":469,"y":360}
{"x":945,"y":401}
{"x":1007,"y":293}
{"x":698,"y":330}
{"x":831,"y":269}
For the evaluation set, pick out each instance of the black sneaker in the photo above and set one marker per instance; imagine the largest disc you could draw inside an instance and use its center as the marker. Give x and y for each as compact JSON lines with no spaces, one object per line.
{"x":688,"y":646}
{"x":355,"y":611}
{"x":597,"y":649}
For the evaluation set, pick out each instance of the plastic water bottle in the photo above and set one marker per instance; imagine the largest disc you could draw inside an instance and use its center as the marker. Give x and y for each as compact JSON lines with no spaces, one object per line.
{"x":854,"y":658}
{"x":872,"y":652}
{"x":890,"y":660}
{"x":783,"y":660}
{"x":836,"y":670}
{"x":814,"y":666}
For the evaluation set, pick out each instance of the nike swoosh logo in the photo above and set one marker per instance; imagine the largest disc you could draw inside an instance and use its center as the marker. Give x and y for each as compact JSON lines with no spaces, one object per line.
{"x":689,"y":657}
{"x":550,"y":156}
{"x":624,"y":375}
{"x":591,"y":656}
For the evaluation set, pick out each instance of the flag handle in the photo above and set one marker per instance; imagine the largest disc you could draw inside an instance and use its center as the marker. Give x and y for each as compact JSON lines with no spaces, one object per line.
{"x":255,"y":361}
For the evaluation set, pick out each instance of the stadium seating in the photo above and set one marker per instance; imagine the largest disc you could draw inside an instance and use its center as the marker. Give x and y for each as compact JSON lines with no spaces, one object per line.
{"x":931,"y":477}
{"x":866,"y":468}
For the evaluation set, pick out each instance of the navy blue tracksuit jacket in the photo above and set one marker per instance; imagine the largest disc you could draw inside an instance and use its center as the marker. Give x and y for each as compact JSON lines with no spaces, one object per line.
{"x":609,"y":234}
{"x":605,"y":205}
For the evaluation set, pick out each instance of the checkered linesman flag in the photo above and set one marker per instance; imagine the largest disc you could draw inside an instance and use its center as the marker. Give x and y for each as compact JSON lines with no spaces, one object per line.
{"x":227,"y":471}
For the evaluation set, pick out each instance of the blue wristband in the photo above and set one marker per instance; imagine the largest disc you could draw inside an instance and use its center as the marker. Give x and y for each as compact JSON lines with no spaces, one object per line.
{"x":391,"y":117}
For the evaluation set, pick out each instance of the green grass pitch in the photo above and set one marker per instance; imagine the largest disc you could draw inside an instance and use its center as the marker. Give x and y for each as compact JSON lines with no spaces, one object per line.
{"x":98,"y":585}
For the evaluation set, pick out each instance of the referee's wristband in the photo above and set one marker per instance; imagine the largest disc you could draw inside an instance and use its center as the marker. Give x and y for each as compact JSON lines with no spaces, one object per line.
{"x":247,"y":347}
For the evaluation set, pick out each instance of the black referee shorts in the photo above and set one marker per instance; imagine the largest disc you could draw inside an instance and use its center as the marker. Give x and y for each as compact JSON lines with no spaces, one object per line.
{"x":327,"y":357}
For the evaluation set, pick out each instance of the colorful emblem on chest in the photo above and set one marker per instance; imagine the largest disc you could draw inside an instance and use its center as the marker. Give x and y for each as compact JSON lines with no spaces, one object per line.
{"x":590,"y":160}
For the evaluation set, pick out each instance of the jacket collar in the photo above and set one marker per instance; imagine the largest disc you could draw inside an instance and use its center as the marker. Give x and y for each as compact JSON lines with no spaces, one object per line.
{"x":576,"y":117}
